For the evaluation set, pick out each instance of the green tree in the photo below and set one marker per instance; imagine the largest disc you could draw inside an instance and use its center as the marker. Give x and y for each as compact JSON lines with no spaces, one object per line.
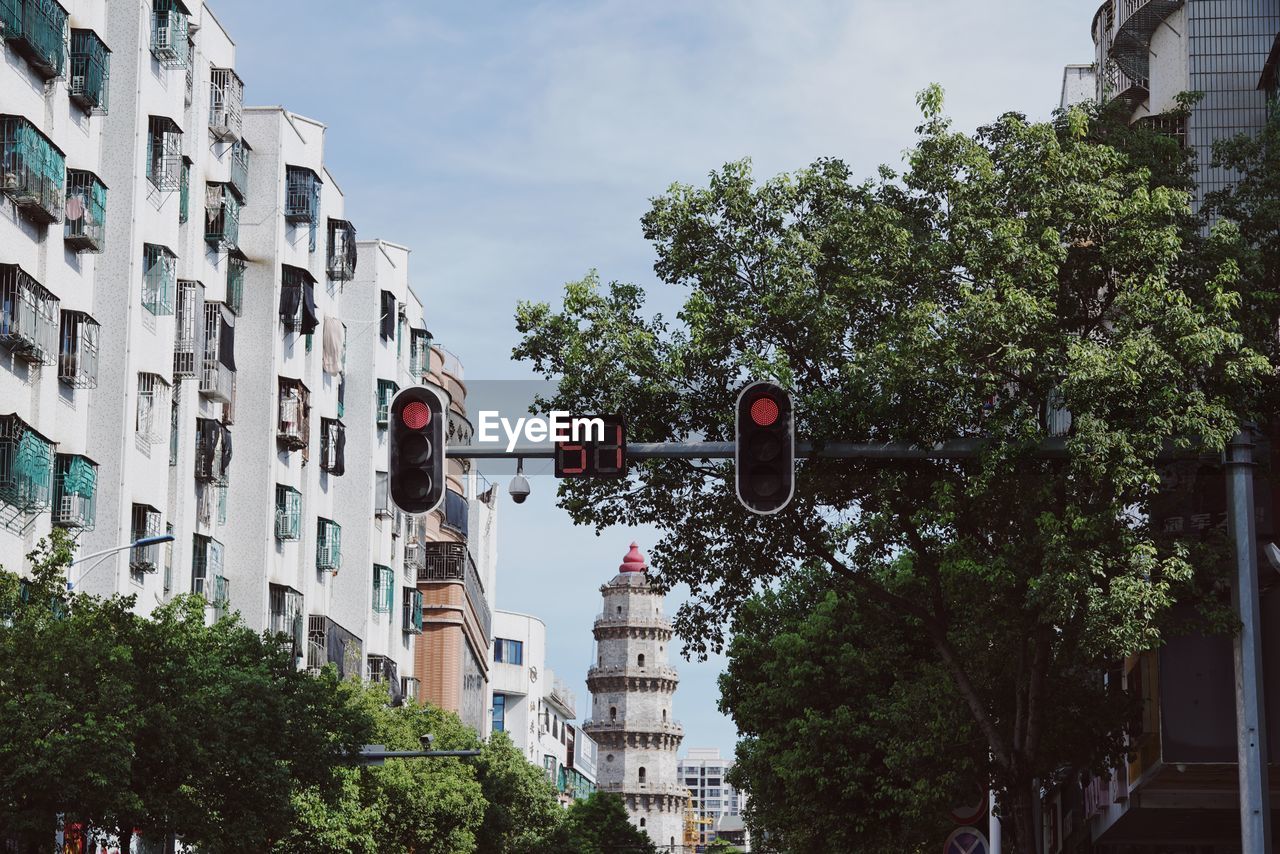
{"x":521,"y":809}
{"x":598,"y":825}
{"x":1004,"y":276}
{"x":719,"y":846}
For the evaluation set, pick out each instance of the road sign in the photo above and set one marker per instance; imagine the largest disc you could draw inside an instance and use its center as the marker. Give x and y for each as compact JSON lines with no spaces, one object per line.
{"x":966,"y":840}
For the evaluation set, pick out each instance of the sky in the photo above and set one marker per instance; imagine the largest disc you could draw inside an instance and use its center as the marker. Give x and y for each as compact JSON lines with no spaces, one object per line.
{"x":515,"y":146}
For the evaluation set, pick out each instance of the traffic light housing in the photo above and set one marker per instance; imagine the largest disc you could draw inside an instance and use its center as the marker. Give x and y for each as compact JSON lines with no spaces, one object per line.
{"x":416,"y":450}
{"x":765,"y":448}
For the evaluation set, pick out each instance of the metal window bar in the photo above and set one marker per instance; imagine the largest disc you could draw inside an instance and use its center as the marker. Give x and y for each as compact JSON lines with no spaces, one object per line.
{"x":226,"y":103}
{"x":330,"y":431}
{"x":173,"y":427}
{"x":293,"y":283}
{"x":410,"y":687}
{"x":294,"y":426}
{"x":342,"y":250}
{"x":32,"y":170}
{"x":164,"y":153}
{"x":29,"y":316}
{"x":159,"y":278}
{"x":184,"y":192}
{"x":288,"y":513}
{"x":37,"y":29}
{"x":240,"y":168}
{"x":302,"y":194}
{"x":222,"y":504}
{"x":379,"y":668}
{"x":221,"y":587}
{"x":381,"y":495}
{"x":169,"y":42}
{"x":384,"y":588}
{"x":286,"y":615}
{"x":145,"y":522}
{"x":236,"y":265}
{"x":26,"y":466}
{"x":419,"y":353}
{"x":386,"y":391}
{"x":217,"y":379}
{"x":221,"y":216}
{"x":75,"y":479}
{"x":210,"y":456}
{"x":90,"y":71}
{"x":189,"y":328}
{"x":414,"y":558}
{"x":78,"y":355}
{"x":84,"y":223}
{"x":412,"y":618}
{"x":452,"y":562}
{"x":328,"y":545}
{"x":190,"y":89}
{"x":152,"y":423}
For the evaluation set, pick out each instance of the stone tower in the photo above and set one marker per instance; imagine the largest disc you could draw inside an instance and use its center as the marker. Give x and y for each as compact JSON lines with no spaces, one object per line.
{"x":631,"y":686}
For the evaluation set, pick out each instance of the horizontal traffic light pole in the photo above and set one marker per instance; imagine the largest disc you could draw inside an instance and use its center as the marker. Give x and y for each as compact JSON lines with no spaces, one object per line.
{"x":956,"y":449}
{"x":372,"y":756}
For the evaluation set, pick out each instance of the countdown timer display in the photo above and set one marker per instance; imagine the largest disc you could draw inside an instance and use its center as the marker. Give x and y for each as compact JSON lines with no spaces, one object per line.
{"x":607,"y":458}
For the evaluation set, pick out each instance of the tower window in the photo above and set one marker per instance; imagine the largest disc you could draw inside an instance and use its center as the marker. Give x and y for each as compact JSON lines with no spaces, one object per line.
{"x":640,"y":660}
{"x":642,"y":822}
{"x":613,"y":713}
{"x":619,"y":609}
{"x":664,"y":715}
{"x":641,"y":773}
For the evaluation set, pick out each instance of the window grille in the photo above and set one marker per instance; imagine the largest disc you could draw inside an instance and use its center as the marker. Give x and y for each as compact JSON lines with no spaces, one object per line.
{"x":410,"y":687}
{"x":217,"y":379}
{"x":152,"y":422}
{"x":386,"y":391}
{"x":164,"y":153}
{"x":221,"y":216}
{"x":384,"y":588}
{"x":78,"y":355}
{"x":342,"y":250}
{"x":190,"y":88}
{"x":169,"y":24}
{"x":381,"y":669}
{"x":32,"y":170}
{"x":294,"y":426}
{"x":213,"y":453}
{"x":328,"y":545}
{"x":297,"y":299}
{"x":240,"y":168}
{"x":332,"y":446}
{"x":188,"y":333}
{"x":84,"y":222}
{"x":37,"y":30}
{"x":184,"y":191}
{"x":412,"y":623}
{"x":226,"y":102}
{"x":419,"y":353}
{"x":29,"y":316}
{"x":286,"y":615}
{"x":159,"y":278}
{"x":455,"y":512}
{"x":236,"y":264}
{"x":145,"y":522}
{"x":302,"y":195}
{"x":173,"y":427}
{"x":288,"y":513}
{"x":26,"y":466}
{"x":381,"y":495}
{"x":90,"y":71}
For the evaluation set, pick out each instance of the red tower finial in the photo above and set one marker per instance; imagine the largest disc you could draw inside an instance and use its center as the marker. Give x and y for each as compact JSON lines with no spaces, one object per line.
{"x":634,"y":561}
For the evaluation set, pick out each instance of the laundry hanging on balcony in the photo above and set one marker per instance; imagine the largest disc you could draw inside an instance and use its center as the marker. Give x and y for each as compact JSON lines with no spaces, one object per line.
{"x":309,"y":319}
{"x":227,"y":344}
{"x":333,"y":334}
{"x":226,"y":447}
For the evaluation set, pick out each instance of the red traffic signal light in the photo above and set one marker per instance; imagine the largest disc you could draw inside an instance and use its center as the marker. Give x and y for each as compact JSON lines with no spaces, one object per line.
{"x":765,"y":450}
{"x":416,"y":450}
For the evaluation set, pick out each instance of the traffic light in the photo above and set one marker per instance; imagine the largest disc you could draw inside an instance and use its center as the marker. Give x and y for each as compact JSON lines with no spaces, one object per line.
{"x":765,"y":450}
{"x":416,"y":449}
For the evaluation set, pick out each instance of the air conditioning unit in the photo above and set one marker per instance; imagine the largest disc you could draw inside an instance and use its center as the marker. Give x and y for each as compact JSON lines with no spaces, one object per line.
{"x":77,"y":83}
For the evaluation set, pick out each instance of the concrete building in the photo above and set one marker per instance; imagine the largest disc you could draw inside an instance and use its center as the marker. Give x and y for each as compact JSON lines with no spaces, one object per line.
{"x":631,"y":688}
{"x":534,"y":706}
{"x":703,"y":772}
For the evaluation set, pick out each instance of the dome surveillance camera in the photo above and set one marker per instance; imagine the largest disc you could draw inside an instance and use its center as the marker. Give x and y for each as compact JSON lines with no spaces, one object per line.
{"x":519,"y":488}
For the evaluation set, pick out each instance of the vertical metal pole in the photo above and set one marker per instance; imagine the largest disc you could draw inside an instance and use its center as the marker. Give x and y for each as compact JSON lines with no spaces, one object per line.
{"x":1251,"y":722}
{"x":993,"y":825}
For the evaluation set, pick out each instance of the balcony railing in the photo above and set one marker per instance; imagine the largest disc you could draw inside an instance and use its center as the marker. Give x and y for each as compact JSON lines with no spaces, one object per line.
{"x":213,"y":451}
{"x":218,"y":372}
{"x":302,"y":195}
{"x":164,"y":153}
{"x":32,"y":170}
{"x":240,"y":168}
{"x":37,"y":30}
{"x":452,"y":562}
{"x":328,"y":545}
{"x":145,"y":522}
{"x":297,"y":299}
{"x":293,"y":429}
{"x":26,"y":466}
{"x":1135,"y":23}
{"x":342,"y":250}
{"x":221,"y":217}
{"x":226,"y":103}
{"x":169,"y":24}
{"x":288,"y":513}
{"x":236,"y":264}
{"x":78,"y":354}
{"x":84,"y":224}
{"x":330,"y":643}
{"x":75,"y":481}
{"x":29,"y":316}
{"x":90,"y":71}
{"x":188,"y":331}
{"x":412,"y":623}
{"x":455,"y":512}
{"x":285,"y":615}
{"x":159,"y":278}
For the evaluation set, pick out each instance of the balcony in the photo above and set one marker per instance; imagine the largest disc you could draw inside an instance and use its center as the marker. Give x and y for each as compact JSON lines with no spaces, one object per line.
{"x":452,"y":562}
{"x":29,"y":317}
{"x":36,"y":29}
{"x":333,"y":447}
{"x":145,"y":522}
{"x":218,"y":372}
{"x":298,"y":300}
{"x":159,"y":278}
{"x":455,"y":512}
{"x":302,"y":195}
{"x":188,"y":332}
{"x":151,"y":423}
{"x":293,"y":429}
{"x":410,"y":687}
{"x":285,"y":615}
{"x":288,"y":513}
{"x":240,"y":168}
{"x":386,"y":392}
{"x":84,"y":224}
{"x":330,"y":643}
{"x":90,"y":72}
{"x":164,"y":153}
{"x":213,"y":451}
{"x":419,"y":353}
{"x":221,"y":217}
{"x":169,"y":24}
{"x":384,"y":589}
{"x":78,"y":354}
{"x":1135,"y":22}
{"x":236,"y":264}
{"x":26,"y":466}
{"x":412,"y":622}
{"x":32,"y":170}
{"x":226,"y":103}
{"x":342,"y":250}
{"x":75,"y":479}
{"x":328,"y":546}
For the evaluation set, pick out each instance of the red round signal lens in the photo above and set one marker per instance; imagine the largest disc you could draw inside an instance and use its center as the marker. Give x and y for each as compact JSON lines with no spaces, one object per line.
{"x":764,"y":412}
{"x":415,"y":415}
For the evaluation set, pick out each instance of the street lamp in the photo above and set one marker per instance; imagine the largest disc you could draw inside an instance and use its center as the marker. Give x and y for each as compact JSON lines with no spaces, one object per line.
{"x":141,"y":543}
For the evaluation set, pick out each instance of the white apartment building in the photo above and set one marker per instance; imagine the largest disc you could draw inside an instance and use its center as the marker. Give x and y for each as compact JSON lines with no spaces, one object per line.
{"x":702,"y":771}
{"x":534,"y":706}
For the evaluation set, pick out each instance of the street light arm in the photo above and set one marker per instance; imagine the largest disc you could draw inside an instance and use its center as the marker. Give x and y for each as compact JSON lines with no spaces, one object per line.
{"x":140,"y":543}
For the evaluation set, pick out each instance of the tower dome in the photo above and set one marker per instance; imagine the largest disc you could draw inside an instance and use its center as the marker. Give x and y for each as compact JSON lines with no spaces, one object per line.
{"x":634,"y":561}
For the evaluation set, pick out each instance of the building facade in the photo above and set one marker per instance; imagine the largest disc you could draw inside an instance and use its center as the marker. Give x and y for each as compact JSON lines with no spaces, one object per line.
{"x":631,"y":687}
{"x":703,"y":771}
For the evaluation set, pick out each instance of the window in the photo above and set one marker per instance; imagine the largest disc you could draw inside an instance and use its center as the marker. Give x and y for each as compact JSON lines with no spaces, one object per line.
{"x":499,"y":712}
{"x":218,"y":374}
{"x":298,"y":300}
{"x":74,"y":481}
{"x":455,"y":512}
{"x":342,"y":250}
{"x":213,"y":451}
{"x":613,"y":713}
{"x":84,"y":219}
{"x":286,"y":615}
{"x":288,"y":513}
{"x":419,"y":352}
{"x":333,"y":443}
{"x":642,"y":775}
{"x":29,"y":316}
{"x":26,"y":466}
{"x":144,"y":522}
{"x":381,"y":494}
{"x":37,"y":30}
{"x":642,"y":822}
{"x":386,"y":391}
{"x":384,"y":580}
{"x":508,"y":651}
{"x":184,"y":191}
{"x":294,"y":426}
{"x":226,"y":102}
{"x":240,"y":168}
{"x":33,"y":169}
{"x":221,"y":216}
{"x":235,"y":282}
{"x":151,"y":420}
{"x":90,"y":70}
{"x":412,"y":618}
{"x":188,"y":329}
{"x":640,"y":660}
{"x":78,"y":355}
{"x":328,"y":545}
{"x":159,"y":278}
{"x":164,"y":153}
{"x":387,"y":321}
{"x":169,"y":43}
{"x":302,"y":194}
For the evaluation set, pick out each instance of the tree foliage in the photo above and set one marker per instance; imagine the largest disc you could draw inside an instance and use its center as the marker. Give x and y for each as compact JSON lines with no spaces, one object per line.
{"x":597,"y":825}
{"x":1003,"y":276}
